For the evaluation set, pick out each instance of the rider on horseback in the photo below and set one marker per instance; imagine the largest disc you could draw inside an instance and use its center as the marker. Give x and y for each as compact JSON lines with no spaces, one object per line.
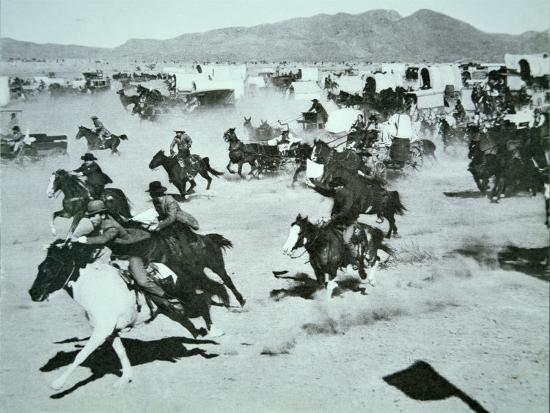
{"x":125,"y":242}
{"x":96,"y":179}
{"x":102,"y":132}
{"x":168,"y":209}
{"x":183,"y":141}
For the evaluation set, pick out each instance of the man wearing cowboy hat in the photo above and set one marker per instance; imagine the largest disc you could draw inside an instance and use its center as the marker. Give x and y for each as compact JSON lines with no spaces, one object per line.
{"x":96,"y":179}
{"x":124,"y":242}
{"x":316,"y":107}
{"x":102,"y":132}
{"x":168,"y":210}
{"x":183,"y":142}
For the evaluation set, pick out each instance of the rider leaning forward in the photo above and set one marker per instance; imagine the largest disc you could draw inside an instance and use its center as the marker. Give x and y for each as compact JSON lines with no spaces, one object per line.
{"x":131,"y":244}
{"x":96,"y":179}
{"x":102,"y":132}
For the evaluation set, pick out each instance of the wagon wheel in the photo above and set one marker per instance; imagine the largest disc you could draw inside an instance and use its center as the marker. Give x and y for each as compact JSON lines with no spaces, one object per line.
{"x":415,"y":161}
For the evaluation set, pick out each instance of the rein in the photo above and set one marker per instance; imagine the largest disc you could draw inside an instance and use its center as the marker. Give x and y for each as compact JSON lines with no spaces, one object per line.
{"x":311,"y":243}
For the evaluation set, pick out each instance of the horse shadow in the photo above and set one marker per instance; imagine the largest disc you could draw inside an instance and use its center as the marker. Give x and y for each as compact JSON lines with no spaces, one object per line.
{"x":104,"y":360}
{"x":465,"y":194}
{"x":530,"y":261}
{"x":422,"y":382}
{"x":305,"y":287}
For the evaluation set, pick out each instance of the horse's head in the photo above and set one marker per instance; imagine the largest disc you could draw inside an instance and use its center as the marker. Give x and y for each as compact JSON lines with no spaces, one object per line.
{"x":56,"y":182}
{"x":158,"y":159}
{"x":81,"y":132}
{"x":230,"y":135}
{"x":296,"y":235}
{"x":247,"y":122}
{"x":319,"y":151}
{"x":61,"y":264}
{"x":120,"y":92}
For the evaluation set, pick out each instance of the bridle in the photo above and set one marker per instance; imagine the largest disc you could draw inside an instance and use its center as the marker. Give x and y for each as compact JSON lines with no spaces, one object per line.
{"x":301,"y":238}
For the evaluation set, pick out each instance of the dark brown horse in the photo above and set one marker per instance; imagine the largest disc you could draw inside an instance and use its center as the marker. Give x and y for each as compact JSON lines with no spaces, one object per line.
{"x":328,"y":252}
{"x":94,"y":143}
{"x":127,"y":100}
{"x":179,"y":175}
{"x":252,"y":153}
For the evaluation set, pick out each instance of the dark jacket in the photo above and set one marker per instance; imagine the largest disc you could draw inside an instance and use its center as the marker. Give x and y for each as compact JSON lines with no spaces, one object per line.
{"x":111,"y":231}
{"x":319,"y":109}
{"x":94,"y":174}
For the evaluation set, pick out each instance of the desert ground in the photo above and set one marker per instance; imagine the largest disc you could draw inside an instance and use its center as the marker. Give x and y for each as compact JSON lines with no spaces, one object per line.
{"x":444,"y":305}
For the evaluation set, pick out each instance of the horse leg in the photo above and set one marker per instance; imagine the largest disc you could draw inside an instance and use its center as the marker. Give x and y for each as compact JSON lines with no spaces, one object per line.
{"x":205,"y":175}
{"x":300,"y":168}
{"x":218,"y":267}
{"x":331,"y":284}
{"x":124,"y":362}
{"x":393,"y":227}
{"x":98,"y":337}
{"x":372,"y":279}
{"x":228,"y":167}
{"x":192,"y":185}
{"x":240,"y":170}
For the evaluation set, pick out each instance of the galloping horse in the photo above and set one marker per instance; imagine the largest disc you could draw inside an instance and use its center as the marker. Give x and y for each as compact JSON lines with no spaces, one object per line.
{"x":328,"y":252}
{"x":179,"y":175}
{"x":241,"y":153}
{"x":127,"y":100}
{"x":77,"y":196}
{"x":94,"y":143}
{"x":303,"y":152}
{"x":116,"y":308}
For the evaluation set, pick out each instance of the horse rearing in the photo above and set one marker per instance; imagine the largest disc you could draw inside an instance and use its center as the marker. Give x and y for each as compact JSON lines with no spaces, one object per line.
{"x":94,"y":143}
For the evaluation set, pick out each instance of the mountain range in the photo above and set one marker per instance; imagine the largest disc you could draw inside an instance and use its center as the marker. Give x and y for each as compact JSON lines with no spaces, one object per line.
{"x":376,"y":35}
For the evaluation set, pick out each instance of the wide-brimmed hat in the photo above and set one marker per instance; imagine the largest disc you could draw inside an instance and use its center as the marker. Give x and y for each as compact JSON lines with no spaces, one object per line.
{"x":88,"y":157}
{"x":94,"y":117}
{"x":314,"y":100}
{"x":16,"y":128}
{"x":156,"y":187}
{"x":95,"y":207}
{"x":179,"y":131}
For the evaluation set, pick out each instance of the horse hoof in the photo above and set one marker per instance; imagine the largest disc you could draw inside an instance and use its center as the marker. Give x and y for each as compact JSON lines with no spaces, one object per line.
{"x":215,"y":332}
{"x":57,"y":384}
{"x":122,"y":381}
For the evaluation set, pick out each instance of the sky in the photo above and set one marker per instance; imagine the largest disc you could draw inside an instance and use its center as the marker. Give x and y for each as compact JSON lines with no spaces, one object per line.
{"x":109,"y":23}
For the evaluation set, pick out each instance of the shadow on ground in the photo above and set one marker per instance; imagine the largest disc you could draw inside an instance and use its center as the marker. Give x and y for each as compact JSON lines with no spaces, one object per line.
{"x":104,"y":360}
{"x":421,"y":382}
{"x":301,"y":285}
{"x":530,"y":261}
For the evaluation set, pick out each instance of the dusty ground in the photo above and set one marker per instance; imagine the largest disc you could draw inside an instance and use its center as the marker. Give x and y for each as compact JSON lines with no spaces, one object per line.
{"x":480,"y":327}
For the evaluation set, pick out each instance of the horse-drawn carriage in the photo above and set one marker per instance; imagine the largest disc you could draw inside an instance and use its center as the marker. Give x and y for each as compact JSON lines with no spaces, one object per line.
{"x":96,"y":82}
{"x":311,"y":121}
{"x":33,"y":146}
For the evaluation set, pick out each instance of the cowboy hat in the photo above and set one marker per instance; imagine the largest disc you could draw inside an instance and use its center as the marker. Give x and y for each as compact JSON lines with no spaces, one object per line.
{"x":88,"y":157}
{"x":94,"y":117}
{"x":156,"y":187}
{"x":16,"y":128}
{"x":314,"y":100}
{"x":95,"y":207}
{"x":179,"y":131}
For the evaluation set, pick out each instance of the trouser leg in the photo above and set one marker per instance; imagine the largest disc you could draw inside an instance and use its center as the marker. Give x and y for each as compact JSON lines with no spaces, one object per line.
{"x":137,"y":268}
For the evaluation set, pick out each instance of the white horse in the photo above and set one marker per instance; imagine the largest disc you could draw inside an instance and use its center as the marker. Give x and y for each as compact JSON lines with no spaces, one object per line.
{"x":110,"y":306}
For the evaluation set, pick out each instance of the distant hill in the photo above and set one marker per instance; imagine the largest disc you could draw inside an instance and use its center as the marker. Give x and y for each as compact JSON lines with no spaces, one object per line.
{"x":376,"y":35}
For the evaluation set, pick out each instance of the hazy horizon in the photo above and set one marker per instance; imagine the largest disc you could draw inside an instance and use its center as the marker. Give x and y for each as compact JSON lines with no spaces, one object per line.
{"x":108,"y":24}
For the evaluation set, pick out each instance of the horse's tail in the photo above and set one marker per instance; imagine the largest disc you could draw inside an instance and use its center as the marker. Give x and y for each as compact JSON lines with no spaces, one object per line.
{"x":123,"y":137}
{"x":220,"y":241}
{"x":209,"y":168}
{"x":396,"y":204}
{"x":387,"y":249}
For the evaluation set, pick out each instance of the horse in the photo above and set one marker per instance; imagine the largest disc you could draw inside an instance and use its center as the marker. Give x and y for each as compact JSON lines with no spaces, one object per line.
{"x":262,"y":132}
{"x":77,"y":196}
{"x":94,"y":143}
{"x":179,"y":175}
{"x":370,"y":197}
{"x":328,"y":252}
{"x":241,"y":153}
{"x":127,"y":100}
{"x":348,"y":159}
{"x":303,"y":152}
{"x":70,"y":267}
